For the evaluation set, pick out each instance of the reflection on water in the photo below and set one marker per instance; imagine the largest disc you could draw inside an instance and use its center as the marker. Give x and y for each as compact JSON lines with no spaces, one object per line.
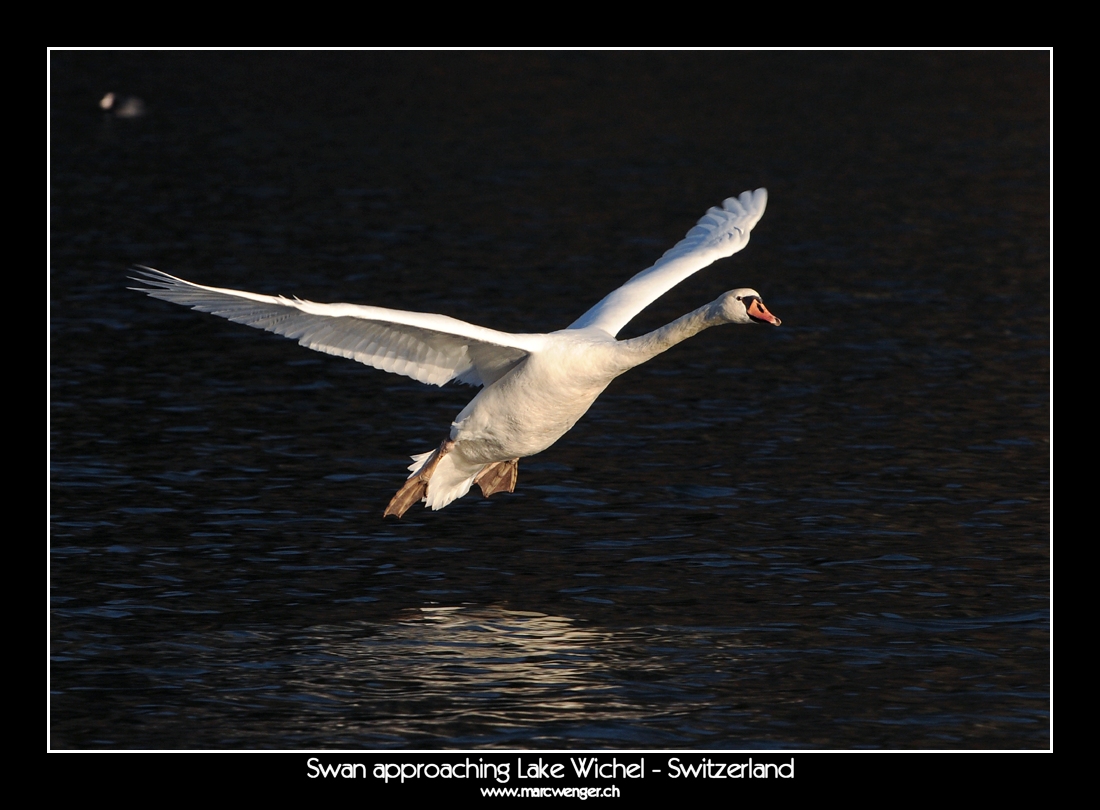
{"x":450,"y":673}
{"x":466,"y":677}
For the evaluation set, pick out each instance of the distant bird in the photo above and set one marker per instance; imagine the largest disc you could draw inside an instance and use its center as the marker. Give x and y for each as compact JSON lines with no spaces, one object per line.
{"x":536,"y":386}
{"x":122,"y":106}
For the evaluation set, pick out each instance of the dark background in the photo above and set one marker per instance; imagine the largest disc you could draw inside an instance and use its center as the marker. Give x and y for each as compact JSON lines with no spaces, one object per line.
{"x":835,"y":534}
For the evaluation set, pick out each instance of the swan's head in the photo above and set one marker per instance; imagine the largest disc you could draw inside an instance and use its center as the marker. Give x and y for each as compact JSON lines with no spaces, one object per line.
{"x":744,"y":306}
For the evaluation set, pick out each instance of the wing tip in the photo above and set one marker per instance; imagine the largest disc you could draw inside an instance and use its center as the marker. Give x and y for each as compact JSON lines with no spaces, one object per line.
{"x":747,"y":202}
{"x":158,"y":279}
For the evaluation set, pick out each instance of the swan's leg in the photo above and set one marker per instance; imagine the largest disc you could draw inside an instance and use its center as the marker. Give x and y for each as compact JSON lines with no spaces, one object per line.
{"x":500,"y":476}
{"x":417,"y":486}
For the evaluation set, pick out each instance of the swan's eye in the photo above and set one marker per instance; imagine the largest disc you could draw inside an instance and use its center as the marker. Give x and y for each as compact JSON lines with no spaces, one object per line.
{"x":739,"y":298}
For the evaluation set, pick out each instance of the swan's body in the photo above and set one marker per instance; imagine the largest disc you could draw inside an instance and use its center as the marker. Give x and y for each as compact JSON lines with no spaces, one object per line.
{"x":536,"y":386}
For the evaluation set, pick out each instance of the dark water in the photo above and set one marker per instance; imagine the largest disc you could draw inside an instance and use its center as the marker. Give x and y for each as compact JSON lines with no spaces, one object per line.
{"x":834,"y":534}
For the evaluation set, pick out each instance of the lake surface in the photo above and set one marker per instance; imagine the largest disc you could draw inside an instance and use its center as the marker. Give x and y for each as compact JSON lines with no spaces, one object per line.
{"x":834,"y":534}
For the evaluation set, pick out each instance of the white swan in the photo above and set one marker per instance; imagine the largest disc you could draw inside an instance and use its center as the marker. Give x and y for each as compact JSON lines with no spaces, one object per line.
{"x":122,"y":106}
{"x":536,"y":386}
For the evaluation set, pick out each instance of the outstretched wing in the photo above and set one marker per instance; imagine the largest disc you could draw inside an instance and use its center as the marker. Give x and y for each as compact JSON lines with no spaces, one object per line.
{"x":429,"y":348}
{"x":722,"y":232}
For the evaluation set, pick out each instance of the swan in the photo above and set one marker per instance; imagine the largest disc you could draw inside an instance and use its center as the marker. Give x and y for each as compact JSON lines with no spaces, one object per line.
{"x":534,"y":386}
{"x":122,"y":106}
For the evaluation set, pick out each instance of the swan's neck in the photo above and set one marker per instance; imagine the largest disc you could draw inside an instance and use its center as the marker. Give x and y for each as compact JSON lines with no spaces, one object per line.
{"x":645,"y":347}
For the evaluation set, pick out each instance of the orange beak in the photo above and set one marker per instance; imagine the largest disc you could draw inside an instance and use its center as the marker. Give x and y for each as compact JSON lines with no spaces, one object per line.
{"x":759,"y":312}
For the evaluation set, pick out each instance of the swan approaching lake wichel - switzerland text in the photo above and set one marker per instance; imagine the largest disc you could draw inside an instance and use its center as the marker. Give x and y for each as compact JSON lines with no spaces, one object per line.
{"x":534,"y":386}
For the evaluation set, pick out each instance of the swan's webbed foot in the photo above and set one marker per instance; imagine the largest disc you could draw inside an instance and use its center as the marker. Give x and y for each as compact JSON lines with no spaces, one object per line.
{"x":416,"y":488}
{"x":499,"y":476}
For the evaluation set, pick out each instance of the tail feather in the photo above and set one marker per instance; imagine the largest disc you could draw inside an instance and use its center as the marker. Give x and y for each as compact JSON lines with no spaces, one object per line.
{"x":439,"y":477}
{"x":449,"y":482}
{"x":419,"y":460}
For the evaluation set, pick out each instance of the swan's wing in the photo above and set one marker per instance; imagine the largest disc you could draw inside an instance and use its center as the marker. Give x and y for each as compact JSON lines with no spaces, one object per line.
{"x":429,"y":348}
{"x":722,"y":232}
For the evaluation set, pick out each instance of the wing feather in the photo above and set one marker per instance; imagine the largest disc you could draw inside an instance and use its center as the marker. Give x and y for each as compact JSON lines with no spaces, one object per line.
{"x":720,"y":233}
{"x":430,"y":348}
